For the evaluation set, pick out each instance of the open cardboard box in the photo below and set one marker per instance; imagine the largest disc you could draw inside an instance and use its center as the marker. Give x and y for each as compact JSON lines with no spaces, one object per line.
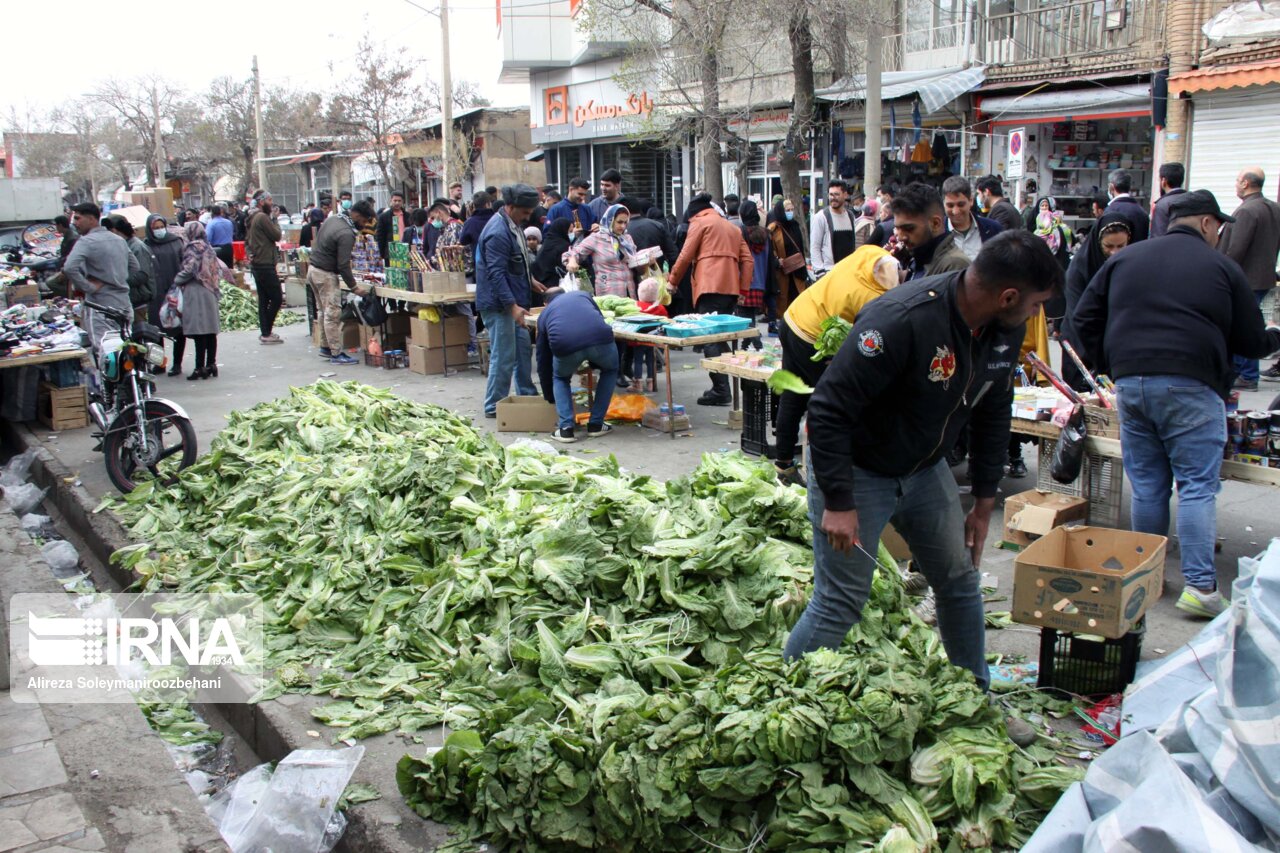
{"x":526,"y":414}
{"x":1088,"y":580}
{"x":1031,"y":514}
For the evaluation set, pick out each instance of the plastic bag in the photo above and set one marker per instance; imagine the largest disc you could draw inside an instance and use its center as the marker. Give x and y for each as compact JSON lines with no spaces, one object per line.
{"x":570,"y":282}
{"x":291,"y":810}
{"x":24,"y":498}
{"x":171,"y":310}
{"x":628,"y":408}
{"x":371,"y":311}
{"x":18,"y":469}
{"x":1068,"y":456}
{"x":33,"y":523}
{"x":61,"y":556}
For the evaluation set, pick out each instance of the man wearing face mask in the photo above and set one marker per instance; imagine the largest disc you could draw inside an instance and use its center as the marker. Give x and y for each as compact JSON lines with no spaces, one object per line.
{"x":1169,"y":349}
{"x":919,"y":223}
{"x":922,"y":362}
{"x":866,"y":275}
{"x":344,"y":201}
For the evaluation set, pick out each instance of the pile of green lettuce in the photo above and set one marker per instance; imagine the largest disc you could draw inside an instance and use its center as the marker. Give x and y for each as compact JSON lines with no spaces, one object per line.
{"x":603,"y":646}
{"x":238,"y":310}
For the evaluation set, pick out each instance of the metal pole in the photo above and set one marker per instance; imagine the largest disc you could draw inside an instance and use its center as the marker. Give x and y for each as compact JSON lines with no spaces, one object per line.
{"x":257,"y":124}
{"x":873,"y":112}
{"x":446,"y":99}
{"x":155,"y":118}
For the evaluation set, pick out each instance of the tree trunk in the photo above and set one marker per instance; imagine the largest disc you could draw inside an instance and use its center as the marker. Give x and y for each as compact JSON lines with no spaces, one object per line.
{"x":800,"y":128}
{"x":709,"y":139}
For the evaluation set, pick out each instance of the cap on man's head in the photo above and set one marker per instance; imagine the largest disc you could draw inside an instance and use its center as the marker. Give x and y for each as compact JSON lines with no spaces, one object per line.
{"x":1197,"y":203}
{"x":520,"y":195}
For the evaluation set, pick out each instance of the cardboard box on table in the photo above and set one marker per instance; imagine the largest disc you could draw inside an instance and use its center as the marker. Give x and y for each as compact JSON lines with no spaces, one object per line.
{"x":1088,"y":580}
{"x":22,"y":294}
{"x":430,"y":362}
{"x":1031,"y":514}
{"x":423,"y":333}
{"x":526,"y":414}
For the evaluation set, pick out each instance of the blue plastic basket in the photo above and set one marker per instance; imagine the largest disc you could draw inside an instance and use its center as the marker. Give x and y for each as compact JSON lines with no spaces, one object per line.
{"x":689,"y":326}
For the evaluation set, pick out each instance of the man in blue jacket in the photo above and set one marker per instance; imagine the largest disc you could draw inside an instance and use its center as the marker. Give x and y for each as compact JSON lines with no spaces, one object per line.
{"x":504,"y":294}
{"x":574,"y":208}
{"x":572,"y":330}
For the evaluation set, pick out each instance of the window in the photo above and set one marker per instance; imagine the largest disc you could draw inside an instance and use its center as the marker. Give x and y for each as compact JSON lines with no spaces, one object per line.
{"x":645,"y":169}
{"x":573,"y":164}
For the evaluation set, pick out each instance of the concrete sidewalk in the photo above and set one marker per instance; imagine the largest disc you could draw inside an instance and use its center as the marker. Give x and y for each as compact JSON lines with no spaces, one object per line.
{"x":84,"y":777}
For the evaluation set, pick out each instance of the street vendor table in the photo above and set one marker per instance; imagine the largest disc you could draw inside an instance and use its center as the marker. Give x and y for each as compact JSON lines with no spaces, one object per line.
{"x":1102,"y":476}
{"x":428,"y":300}
{"x":667,"y":344}
{"x":758,"y":404}
{"x":20,"y":388}
{"x":43,"y":358}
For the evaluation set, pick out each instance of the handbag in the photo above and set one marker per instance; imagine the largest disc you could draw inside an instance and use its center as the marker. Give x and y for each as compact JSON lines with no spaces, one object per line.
{"x":370,"y":310}
{"x":792,"y":263}
{"x":1068,"y":456}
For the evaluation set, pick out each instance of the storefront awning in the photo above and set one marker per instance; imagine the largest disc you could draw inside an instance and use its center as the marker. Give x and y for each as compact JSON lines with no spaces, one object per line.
{"x":1069,"y":104}
{"x":307,"y":158}
{"x":1226,"y":77}
{"x":935,"y":88}
{"x":535,"y":155}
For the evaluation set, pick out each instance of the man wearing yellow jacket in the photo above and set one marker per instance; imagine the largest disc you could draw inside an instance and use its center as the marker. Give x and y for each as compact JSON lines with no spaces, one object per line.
{"x":843,"y":292}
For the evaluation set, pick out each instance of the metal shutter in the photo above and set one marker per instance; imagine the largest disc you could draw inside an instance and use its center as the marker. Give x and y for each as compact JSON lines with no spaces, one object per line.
{"x":1229,"y":132}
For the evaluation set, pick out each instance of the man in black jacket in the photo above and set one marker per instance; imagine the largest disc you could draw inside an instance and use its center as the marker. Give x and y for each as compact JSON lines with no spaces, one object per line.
{"x":1171,"y":177}
{"x":648,"y":233}
{"x":999,"y":208}
{"x":1119,"y":187}
{"x":1168,"y":349}
{"x":1253,"y":241}
{"x":392,"y":223}
{"x":921,"y":362}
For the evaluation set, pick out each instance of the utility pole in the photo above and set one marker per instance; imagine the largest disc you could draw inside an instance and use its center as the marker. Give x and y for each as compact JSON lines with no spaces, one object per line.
{"x":874,"y":111}
{"x":155,"y":118}
{"x":446,"y":100}
{"x":257,"y":124}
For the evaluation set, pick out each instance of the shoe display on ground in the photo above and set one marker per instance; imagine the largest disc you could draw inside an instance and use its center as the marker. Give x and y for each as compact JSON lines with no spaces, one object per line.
{"x":1205,"y":605}
{"x":564,"y":436}
{"x":343,"y":358}
{"x":596,"y":432}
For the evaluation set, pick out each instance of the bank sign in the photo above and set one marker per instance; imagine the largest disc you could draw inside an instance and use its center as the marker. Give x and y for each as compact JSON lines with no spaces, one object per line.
{"x":588,"y":111}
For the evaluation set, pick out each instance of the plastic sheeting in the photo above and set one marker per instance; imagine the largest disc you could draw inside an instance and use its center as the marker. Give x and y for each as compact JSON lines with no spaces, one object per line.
{"x":1255,"y":20}
{"x":1198,"y":766}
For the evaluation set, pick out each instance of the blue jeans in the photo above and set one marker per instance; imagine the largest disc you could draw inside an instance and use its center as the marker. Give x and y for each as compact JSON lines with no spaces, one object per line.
{"x":605,"y":357}
{"x":925,"y":508}
{"x":510,"y":354}
{"x":643,"y":357}
{"x":1247,"y":368}
{"x":1175,"y":427}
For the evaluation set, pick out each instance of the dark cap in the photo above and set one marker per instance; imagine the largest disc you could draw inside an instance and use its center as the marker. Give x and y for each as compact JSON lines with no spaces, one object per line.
{"x":520,"y":195}
{"x":1197,"y":203}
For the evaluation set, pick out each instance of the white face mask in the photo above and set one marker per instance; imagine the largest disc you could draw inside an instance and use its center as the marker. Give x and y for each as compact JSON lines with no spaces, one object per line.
{"x":161,"y":233}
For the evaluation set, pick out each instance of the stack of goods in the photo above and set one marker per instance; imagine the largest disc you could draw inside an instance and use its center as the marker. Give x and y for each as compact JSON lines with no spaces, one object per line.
{"x":1254,"y":438}
{"x":398,"y":265}
{"x":603,"y":647}
{"x":451,"y":259}
{"x":47,"y":328}
{"x":366,"y":261}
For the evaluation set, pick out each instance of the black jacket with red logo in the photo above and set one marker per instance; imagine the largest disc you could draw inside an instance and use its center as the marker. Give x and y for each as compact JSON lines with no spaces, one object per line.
{"x":903,"y":386}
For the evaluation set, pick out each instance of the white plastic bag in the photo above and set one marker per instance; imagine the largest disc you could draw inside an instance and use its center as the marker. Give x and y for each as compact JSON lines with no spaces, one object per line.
{"x":24,"y":498}
{"x":570,"y":283}
{"x":33,"y":523}
{"x":61,"y":556}
{"x":17,"y":470}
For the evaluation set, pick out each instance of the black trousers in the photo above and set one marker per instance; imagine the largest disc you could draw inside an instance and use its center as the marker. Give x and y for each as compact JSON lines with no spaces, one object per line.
{"x":797,"y":357}
{"x":717,"y":303}
{"x":206,"y":350}
{"x":225,"y":254}
{"x":270,"y":296}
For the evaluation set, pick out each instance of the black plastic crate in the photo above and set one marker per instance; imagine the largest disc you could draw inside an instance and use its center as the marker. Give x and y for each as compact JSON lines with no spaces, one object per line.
{"x":759,"y":411}
{"x":1088,"y":666}
{"x":387,"y":360}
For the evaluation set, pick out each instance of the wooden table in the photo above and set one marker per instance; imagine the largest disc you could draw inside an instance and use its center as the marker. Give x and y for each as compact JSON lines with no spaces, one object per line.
{"x":43,"y":358}
{"x":755,"y":430}
{"x":434,"y":300}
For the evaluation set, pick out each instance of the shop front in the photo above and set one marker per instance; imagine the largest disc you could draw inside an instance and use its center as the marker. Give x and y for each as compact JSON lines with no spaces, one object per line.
{"x":584,"y":123}
{"x":1069,"y":140}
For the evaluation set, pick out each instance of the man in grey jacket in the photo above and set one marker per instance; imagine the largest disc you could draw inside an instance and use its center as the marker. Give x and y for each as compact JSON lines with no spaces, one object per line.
{"x":1253,"y":241}
{"x":329,"y":267}
{"x":99,"y":266}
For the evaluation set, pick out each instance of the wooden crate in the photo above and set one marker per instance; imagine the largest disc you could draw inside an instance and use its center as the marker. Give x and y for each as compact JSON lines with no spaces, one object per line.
{"x":63,"y":408}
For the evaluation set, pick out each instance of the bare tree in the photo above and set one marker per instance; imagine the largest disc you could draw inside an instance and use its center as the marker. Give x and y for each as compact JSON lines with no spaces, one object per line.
{"x":134,"y":103}
{"x":377,"y":102}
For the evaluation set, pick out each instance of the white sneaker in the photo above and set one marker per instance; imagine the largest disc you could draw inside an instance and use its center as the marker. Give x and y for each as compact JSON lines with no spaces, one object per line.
{"x":1205,"y":605}
{"x":927,"y":609}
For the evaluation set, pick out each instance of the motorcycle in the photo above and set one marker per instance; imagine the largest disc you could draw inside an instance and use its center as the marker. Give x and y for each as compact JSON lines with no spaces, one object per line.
{"x":142,"y":436}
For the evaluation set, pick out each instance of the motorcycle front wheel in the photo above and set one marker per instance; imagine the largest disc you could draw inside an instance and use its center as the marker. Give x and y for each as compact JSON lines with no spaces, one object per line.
{"x":170,"y":447}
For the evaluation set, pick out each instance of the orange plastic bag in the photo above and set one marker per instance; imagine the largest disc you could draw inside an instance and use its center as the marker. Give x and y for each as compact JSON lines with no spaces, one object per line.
{"x":628,"y":408}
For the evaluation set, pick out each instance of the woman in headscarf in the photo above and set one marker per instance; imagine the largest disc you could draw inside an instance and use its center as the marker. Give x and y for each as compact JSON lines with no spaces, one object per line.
{"x":1111,"y":233}
{"x":1050,"y":228}
{"x":166,"y":247}
{"x":784,"y":234}
{"x":315,"y":218}
{"x":200,"y":278}
{"x":866,"y":223}
{"x":757,"y":294}
{"x":610,"y":250}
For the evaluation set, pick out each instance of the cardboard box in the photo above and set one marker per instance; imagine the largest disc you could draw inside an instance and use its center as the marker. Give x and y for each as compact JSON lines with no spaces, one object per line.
{"x":430,"y":362}
{"x":1088,"y":580}
{"x":1031,"y":514}
{"x":22,"y":294}
{"x":437,"y":283}
{"x":351,"y":335}
{"x":1102,"y":423}
{"x":525,"y":414}
{"x":456,"y":330}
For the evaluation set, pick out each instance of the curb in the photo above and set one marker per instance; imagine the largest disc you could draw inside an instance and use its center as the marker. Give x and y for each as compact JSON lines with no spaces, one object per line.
{"x":272,"y":729}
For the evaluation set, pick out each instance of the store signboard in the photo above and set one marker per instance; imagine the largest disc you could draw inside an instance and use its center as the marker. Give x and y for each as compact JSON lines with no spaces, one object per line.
{"x":565,"y":110}
{"x":1017,"y":152}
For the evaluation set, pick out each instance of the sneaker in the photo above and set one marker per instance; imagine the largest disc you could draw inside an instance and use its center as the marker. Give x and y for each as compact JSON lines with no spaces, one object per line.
{"x":343,"y":358}
{"x":914,"y":583}
{"x":789,"y":475}
{"x":270,"y":339}
{"x":1206,"y":605}
{"x":596,"y":432}
{"x":773,"y":330}
{"x":326,"y":353}
{"x":711,"y":398}
{"x":564,"y":435}
{"x":472,"y":350}
{"x":491,"y":414}
{"x":1272,"y":372}
{"x":927,"y":609}
{"x":1017,"y":469}
{"x":1245,"y":385}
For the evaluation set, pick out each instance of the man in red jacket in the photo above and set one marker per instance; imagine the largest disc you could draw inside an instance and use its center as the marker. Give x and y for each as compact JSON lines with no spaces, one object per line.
{"x":722,"y":268}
